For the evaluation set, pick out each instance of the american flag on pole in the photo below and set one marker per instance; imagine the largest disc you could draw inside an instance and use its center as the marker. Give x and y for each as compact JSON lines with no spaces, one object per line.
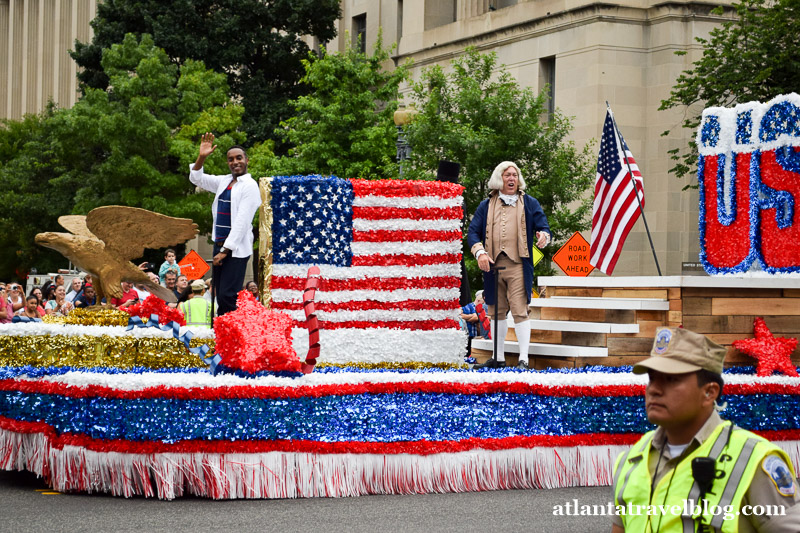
{"x":615,"y":207}
{"x":389,"y":253}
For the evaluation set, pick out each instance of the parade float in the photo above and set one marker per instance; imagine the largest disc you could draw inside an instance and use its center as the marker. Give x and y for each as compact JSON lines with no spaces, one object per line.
{"x":352,"y":379}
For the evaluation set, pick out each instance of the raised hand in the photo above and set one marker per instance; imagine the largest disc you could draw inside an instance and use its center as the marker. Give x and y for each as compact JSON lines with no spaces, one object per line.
{"x":207,"y":145}
{"x":207,"y":148}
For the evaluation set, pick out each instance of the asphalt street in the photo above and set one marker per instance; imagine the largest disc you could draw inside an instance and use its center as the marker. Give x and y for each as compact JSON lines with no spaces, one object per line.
{"x":27,"y":505}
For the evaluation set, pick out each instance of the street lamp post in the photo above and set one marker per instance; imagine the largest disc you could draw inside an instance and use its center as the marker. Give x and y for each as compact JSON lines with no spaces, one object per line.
{"x":402,"y":117}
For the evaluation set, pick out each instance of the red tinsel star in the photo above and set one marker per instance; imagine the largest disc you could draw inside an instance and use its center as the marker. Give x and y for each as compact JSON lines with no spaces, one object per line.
{"x":253,"y":338}
{"x":773,"y":353}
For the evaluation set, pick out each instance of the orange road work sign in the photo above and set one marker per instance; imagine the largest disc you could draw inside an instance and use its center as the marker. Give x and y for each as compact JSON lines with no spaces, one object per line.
{"x":193,"y":266}
{"x":573,"y":257}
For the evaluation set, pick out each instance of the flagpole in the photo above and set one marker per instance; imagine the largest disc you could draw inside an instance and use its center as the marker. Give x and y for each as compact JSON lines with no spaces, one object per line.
{"x":635,"y":191}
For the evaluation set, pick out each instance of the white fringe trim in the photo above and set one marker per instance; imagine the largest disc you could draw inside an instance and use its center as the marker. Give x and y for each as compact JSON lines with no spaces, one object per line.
{"x":304,"y":475}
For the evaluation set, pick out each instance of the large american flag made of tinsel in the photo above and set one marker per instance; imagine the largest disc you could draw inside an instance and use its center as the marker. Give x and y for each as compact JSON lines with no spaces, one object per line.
{"x":389,"y":252}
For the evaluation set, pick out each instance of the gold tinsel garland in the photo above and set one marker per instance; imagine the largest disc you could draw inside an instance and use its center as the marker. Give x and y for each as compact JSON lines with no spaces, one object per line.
{"x":84,"y":351}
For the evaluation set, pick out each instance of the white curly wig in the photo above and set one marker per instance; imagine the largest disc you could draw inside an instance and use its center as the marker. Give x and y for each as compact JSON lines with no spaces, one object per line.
{"x":496,"y":181}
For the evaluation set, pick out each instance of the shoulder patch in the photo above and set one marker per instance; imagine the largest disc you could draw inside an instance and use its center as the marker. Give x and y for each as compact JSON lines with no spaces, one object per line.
{"x":780,"y":475}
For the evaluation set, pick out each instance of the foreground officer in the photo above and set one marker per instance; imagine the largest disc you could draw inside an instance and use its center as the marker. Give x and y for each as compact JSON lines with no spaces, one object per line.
{"x":694,"y":454}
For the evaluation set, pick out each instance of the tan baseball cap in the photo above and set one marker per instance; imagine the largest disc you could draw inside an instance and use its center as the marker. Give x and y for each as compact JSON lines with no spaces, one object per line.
{"x":198,"y":285}
{"x":678,"y":351}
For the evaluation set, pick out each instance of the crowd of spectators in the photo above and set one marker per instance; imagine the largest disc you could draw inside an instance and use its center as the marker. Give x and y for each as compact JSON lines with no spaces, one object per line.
{"x":54,"y":298}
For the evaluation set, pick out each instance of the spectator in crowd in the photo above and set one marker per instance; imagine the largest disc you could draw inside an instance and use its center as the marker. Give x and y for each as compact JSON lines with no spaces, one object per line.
{"x":170,"y":280}
{"x":207,"y":295}
{"x":31,"y":309}
{"x":87,"y":298}
{"x":129,"y":297}
{"x":60,"y":306}
{"x":75,"y":289}
{"x":6,"y":312}
{"x":469,"y":315}
{"x":48,"y":293}
{"x":36,"y":291}
{"x":59,"y":280}
{"x":15,"y":296}
{"x":196,"y":310}
{"x":169,"y":265}
{"x":252,"y":288}
{"x":182,"y":286}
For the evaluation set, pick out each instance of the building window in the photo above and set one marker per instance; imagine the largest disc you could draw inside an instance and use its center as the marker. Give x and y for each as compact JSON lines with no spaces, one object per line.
{"x":360,"y":33}
{"x":399,"y":20}
{"x":500,"y":4}
{"x":547,"y":81}
{"x":439,"y":13}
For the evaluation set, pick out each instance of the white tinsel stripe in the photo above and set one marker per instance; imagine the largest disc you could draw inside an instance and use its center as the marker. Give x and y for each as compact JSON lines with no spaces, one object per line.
{"x":139,"y":381}
{"x":378,"y":315}
{"x":305,"y":475}
{"x":70,"y":330}
{"x":361,"y":272}
{"x":400,"y":295}
{"x":727,"y":117}
{"x":417,"y":202}
{"x":406,"y":224}
{"x":410,"y":247}
{"x":381,"y":345}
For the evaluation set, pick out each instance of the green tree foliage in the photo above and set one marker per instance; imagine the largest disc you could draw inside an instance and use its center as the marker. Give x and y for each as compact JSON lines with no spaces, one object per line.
{"x":753,"y":57}
{"x":345,"y":126}
{"x":128,"y":145}
{"x":478,"y":116}
{"x":27,"y":162}
{"x":256,"y":43}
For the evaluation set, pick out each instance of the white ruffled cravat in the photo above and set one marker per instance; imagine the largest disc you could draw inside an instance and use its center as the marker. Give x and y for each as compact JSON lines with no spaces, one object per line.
{"x":509,"y":199}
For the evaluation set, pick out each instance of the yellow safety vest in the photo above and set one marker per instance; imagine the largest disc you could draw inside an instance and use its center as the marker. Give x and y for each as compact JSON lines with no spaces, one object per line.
{"x":196,"y":311}
{"x":738,"y":454}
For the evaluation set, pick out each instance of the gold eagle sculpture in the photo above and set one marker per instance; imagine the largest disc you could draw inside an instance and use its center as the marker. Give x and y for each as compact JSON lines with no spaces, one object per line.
{"x":104,"y":242}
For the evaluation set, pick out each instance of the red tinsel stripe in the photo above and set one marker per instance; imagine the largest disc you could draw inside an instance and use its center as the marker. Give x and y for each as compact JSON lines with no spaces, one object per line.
{"x":373,"y":284}
{"x":317,"y":391}
{"x":307,"y":446}
{"x":407,"y":305}
{"x":745,"y":389}
{"x":386,"y":235}
{"x":415,"y":213}
{"x":405,"y":188}
{"x":405,"y":260}
{"x":418,"y":325}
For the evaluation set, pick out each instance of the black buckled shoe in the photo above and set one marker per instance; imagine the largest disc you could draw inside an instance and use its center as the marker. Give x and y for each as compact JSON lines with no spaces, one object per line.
{"x":491,"y":363}
{"x":522,"y":365}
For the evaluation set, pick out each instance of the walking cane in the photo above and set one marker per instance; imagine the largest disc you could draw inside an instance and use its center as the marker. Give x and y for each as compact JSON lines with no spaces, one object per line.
{"x":213,"y":292}
{"x":496,"y":307}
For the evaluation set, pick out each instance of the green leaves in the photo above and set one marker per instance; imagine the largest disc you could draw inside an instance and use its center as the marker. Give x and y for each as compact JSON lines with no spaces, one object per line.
{"x":345,"y":126}
{"x":258,"y":44}
{"x":478,"y":116}
{"x":130,"y":144}
{"x":753,"y":57}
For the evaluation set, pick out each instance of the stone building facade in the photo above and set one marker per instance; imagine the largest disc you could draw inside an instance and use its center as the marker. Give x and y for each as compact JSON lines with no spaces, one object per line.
{"x":588,"y":53}
{"x":35,"y":39}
